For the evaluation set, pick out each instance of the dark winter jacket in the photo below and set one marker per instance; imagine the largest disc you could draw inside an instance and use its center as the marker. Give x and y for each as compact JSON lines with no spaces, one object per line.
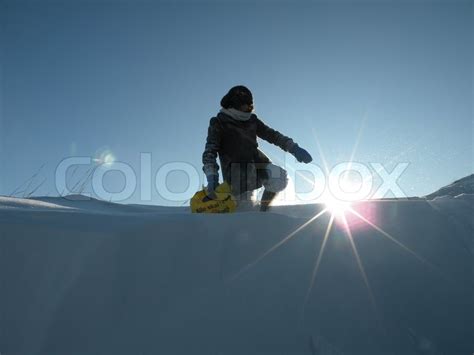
{"x":236,"y":144}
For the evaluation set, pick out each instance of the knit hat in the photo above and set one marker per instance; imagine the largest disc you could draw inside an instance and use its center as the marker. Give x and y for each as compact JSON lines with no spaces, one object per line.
{"x":236,"y":97}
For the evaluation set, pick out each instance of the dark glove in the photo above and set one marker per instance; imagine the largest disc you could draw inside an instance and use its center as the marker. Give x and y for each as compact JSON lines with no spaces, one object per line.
{"x":301,"y":155}
{"x":212,"y":183}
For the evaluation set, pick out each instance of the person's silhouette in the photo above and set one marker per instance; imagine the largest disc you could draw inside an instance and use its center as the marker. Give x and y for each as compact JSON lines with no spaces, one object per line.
{"x":232,"y":135}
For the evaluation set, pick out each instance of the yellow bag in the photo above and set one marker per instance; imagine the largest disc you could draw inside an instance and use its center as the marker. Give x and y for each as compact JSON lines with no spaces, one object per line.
{"x":224,"y":203}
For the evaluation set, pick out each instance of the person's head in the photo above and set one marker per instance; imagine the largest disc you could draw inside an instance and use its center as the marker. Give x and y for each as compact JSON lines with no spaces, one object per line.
{"x":238,"y":97}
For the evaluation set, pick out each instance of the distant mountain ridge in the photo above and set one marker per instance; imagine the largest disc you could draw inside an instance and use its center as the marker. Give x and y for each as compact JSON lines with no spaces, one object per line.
{"x":459,"y":187}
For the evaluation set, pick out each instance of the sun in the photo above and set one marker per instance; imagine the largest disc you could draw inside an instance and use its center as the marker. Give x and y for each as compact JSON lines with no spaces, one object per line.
{"x":340,"y":195}
{"x":336,"y":207}
{"x":339,"y":204}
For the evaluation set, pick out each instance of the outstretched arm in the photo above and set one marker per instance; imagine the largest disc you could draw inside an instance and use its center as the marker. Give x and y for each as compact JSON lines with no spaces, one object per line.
{"x":274,"y":137}
{"x":282,"y":141}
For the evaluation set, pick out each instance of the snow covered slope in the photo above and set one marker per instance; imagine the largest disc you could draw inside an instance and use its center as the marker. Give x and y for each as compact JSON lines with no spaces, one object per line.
{"x":459,"y":187}
{"x":92,"y":277}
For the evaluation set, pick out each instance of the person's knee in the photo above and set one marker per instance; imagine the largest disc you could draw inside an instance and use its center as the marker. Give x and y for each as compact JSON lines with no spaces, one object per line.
{"x":278,"y":180}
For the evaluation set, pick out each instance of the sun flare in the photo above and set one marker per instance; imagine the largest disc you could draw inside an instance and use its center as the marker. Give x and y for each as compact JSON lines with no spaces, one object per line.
{"x":337,"y":208}
{"x":104,"y":156}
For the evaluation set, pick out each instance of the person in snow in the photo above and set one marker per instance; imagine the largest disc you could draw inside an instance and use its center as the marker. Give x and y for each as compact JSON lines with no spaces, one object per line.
{"x":232,"y":135}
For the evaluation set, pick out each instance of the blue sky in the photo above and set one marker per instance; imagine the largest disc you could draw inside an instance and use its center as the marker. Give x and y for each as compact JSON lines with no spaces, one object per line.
{"x":83,"y":77}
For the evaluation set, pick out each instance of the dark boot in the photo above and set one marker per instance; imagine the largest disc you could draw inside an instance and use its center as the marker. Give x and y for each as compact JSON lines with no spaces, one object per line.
{"x":267,"y":198}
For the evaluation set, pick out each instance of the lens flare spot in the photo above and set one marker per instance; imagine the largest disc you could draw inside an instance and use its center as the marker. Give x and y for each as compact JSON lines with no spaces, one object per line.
{"x":104,"y":156}
{"x":108,"y":159}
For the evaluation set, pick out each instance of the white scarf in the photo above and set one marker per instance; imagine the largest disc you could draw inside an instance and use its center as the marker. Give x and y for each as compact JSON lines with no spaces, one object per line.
{"x":236,"y":114}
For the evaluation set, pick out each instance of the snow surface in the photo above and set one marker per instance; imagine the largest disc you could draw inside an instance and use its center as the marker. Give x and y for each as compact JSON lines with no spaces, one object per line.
{"x":83,"y":276}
